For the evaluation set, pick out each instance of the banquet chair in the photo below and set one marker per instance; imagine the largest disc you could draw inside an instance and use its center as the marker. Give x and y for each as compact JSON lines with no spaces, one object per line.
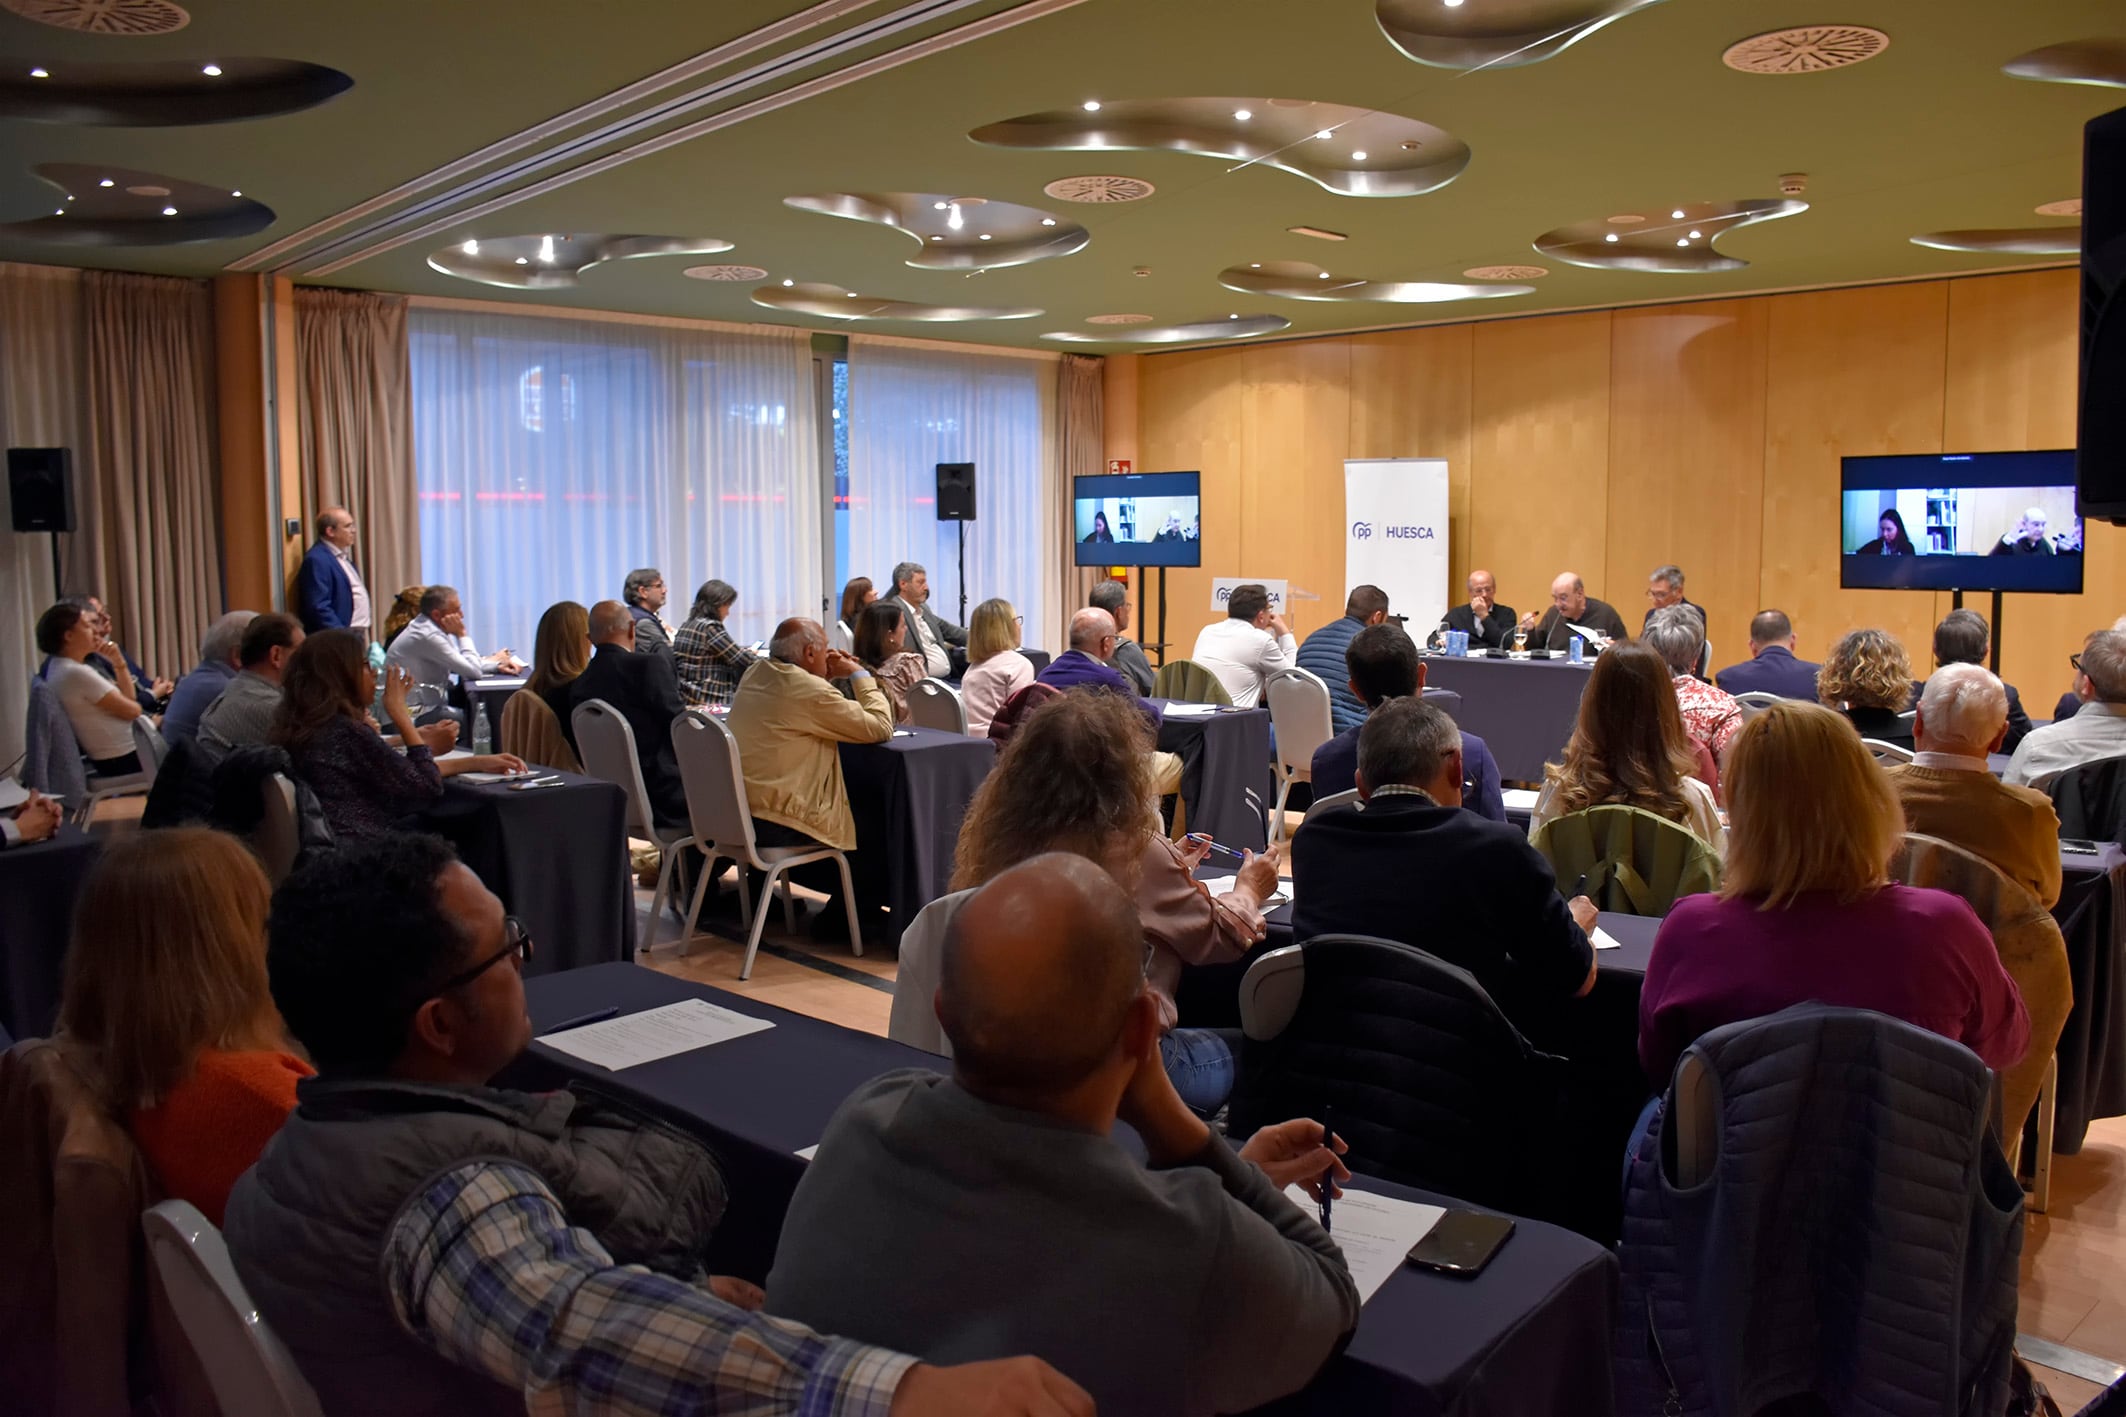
{"x":1888,"y":754}
{"x":531,"y":730}
{"x":1300,"y":722}
{"x":1756,"y":701}
{"x":2090,"y":799}
{"x":1190,"y":683}
{"x":1347,"y":798}
{"x":250,"y":1369}
{"x":1634,"y":861}
{"x":722,"y":825}
{"x":914,"y":1019}
{"x":54,"y":765}
{"x":607,"y":746}
{"x":1017,"y":708}
{"x":277,"y":839}
{"x":932,"y":703}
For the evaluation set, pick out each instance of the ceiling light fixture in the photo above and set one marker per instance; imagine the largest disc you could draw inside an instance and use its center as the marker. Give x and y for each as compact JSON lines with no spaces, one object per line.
{"x":1452,"y":4}
{"x":237,"y":193}
{"x":937,"y":238}
{"x":40,"y":73}
{"x":1091,"y":105}
{"x":983,"y":237}
{"x":1683,"y":241}
{"x":1359,"y":156}
{"x":546,"y":250}
{"x":953,"y":218}
{"x":850,"y":293}
{"x":212,"y":71}
{"x":471,"y":248}
{"x":59,"y":211}
{"x":1254,"y":265}
{"x":107,"y":182}
{"x":1325,"y":133}
{"x":1048,"y":221}
{"x":1242,"y":114}
{"x":523,"y":260}
{"x":1611,"y":237}
{"x":1677,"y":214}
{"x":1232,"y":317}
{"x":1323,"y":275}
{"x":169,"y":211}
{"x":937,"y":206}
{"x":1695,"y":235}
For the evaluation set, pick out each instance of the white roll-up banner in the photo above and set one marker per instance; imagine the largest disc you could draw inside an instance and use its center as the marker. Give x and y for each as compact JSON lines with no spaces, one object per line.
{"x":1395,"y":535}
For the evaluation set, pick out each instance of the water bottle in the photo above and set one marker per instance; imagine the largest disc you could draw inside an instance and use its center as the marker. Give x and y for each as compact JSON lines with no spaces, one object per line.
{"x":1577,"y":651}
{"x":483,"y":741}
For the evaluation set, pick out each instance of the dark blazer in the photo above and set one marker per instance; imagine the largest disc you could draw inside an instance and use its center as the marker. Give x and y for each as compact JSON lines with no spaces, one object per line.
{"x":1773,"y":671}
{"x":1335,"y":770}
{"x":1881,"y":724}
{"x":1471,"y":891}
{"x":324,"y":597}
{"x":1496,"y":632}
{"x":645,"y":690}
{"x":1550,"y":632}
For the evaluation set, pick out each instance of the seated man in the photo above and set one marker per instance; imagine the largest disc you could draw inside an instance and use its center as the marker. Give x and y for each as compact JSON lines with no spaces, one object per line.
{"x":1250,"y":644}
{"x":242,"y":716}
{"x":992,"y":1212}
{"x":929,"y":634}
{"x":1382,"y":664}
{"x":1964,"y":637}
{"x":1483,"y":619}
{"x":1087,"y":665}
{"x":1664,"y":590}
{"x":1414,"y":868}
{"x":1570,"y":605}
{"x":1947,"y":790}
{"x":788,"y":720}
{"x":1710,"y":716}
{"x":1113,"y":597}
{"x":2097,"y":730}
{"x":644,"y":593}
{"x":1323,"y":653}
{"x":434,"y":646}
{"x":644,"y":690}
{"x":2029,"y":538}
{"x":217,"y":666}
{"x":1771,"y":667}
{"x":426,"y":1243}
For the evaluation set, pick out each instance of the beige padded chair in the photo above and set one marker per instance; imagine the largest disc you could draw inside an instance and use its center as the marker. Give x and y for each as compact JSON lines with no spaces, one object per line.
{"x":915,"y":984}
{"x":933,"y":703}
{"x":1888,"y":754}
{"x":533,"y":733}
{"x":251,"y":1370}
{"x":1190,"y":683}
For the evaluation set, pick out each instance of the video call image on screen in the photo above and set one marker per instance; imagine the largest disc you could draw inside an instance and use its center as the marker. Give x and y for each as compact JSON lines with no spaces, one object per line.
{"x":1984,"y":521}
{"x":1149,"y":519}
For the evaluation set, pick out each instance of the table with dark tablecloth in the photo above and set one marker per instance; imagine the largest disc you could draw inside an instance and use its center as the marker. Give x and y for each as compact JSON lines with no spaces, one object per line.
{"x":1225,"y":771}
{"x":908,"y":795}
{"x":1523,"y":709}
{"x":39,"y":884}
{"x":1530,"y":1334}
{"x":557,"y":856}
{"x":2092,"y":1051}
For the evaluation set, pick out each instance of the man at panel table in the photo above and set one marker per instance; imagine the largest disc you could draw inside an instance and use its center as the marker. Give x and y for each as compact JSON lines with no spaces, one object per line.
{"x":1570,"y":605}
{"x":1483,"y":619}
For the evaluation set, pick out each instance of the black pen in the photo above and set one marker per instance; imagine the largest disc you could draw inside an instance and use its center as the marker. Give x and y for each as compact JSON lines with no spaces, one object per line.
{"x":594,"y":1016}
{"x":1328,"y":1177}
{"x":1581,"y":888}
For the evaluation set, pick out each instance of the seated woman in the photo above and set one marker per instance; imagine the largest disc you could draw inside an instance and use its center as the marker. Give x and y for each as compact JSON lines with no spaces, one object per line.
{"x":101,"y":710}
{"x":882,"y":648}
{"x":363,"y":784}
{"x":166,"y":994}
{"x":1806,"y":911}
{"x":710,"y":663}
{"x":856,"y":595}
{"x":1869,"y":679}
{"x":560,"y":651}
{"x":1890,"y":537}
{"x":405,"y":607}
{"x":1629,"y":749}
{"x":1077,"y":777}
{"x":995,"y":668}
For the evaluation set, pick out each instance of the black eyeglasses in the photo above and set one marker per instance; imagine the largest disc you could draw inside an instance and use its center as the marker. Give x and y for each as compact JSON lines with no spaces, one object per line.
{"x":519,"y":943}
{"x":2076,"y":661}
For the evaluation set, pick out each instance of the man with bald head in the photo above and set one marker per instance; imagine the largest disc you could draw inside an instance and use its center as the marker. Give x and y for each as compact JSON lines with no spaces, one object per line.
{"x":218,"y":663}
{"x":789,"y":720}
{"x":1570,"y":605}
{"x":644,"y":690}
{"x":1483,"y":619}
{"x":992,"y":1212}
{"x":1088,"y":664}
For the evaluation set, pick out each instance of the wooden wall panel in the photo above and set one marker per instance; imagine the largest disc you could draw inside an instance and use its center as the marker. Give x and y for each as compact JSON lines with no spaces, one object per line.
{"x":1686,"y":460}
{"x":1539,"y":456}
{"x":1190,"y":420}
{"x":1294,"y":425}
{"x":1410,"y":398}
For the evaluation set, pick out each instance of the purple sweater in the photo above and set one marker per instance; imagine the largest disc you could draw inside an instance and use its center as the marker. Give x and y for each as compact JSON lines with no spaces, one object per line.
{"x":1917,"y":955}
{"x":1075,"y":669}
{"x":363,"y":784}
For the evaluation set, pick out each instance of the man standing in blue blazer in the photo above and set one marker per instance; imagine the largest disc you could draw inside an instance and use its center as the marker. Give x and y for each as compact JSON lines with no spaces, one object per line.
{"x":1771,"y":667}
{"x":1382,"y":663}
{"x":329,"y":594}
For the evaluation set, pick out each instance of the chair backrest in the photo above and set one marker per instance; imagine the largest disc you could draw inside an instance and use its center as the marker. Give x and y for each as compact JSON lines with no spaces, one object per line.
{"x":1298,"y":701}
{"x":1270,"y":992}
{"x":1347,"y":798}
{"x":607,"y":746}
{"x":251,"y":1370}
{"x":1888,"y":754}
{"x":1189,"y":682}
{"x":278,"y":839}
{"x":149,"y":745}
{"x":913,"y":1020}
{"x":2090,"y":798}
{"x":1756,"y":701}
{"x":53,"y":763}
{"x":1016,"y":709}
{"x":1634,"y":861}
{"x":531,"y":730}
{"x":932,"y":703}
{"x":715,"y":781}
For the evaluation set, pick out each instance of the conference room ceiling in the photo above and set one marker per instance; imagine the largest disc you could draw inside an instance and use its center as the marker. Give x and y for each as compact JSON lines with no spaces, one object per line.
{"x":804,"y":145}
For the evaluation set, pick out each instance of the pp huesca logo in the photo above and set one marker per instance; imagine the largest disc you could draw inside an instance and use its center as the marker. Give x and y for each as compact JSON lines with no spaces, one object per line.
{"x":1360,"y":531}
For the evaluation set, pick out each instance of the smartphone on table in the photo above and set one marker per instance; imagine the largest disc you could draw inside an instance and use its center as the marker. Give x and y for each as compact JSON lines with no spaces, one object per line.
{"x":1461,"y":1243}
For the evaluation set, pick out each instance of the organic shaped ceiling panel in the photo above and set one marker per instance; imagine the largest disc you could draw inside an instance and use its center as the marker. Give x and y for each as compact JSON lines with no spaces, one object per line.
{"x":2099,"y":61}
{"x":1673,"y":239}
{"x":834,"y":303}
{"x":165,"y":93}
{"x":1353,"y":152}
{"x":116,"y":206}
{"x":1194,"y":331}
{"x":558,"y":260}
{"x":1301,"y":280}
{"x":1494,"y":34}
{"x":128,"y":19}
{"x":956,"y":233}
{"x":2014,"y":241}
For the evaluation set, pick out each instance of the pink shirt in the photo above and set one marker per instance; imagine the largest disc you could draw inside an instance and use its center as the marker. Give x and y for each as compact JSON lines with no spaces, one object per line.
{"x":1710,"y":715}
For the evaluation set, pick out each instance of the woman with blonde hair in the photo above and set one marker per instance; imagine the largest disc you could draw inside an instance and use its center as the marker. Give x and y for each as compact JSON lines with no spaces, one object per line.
{"x":166,"y":995}
{"x":1807,"y":912}
{"x":1868,"y":678}
{"x":532,"y":719}
{"x":405,"y":608}
{"x":1630,"y":749}
{"x":995,"y":668}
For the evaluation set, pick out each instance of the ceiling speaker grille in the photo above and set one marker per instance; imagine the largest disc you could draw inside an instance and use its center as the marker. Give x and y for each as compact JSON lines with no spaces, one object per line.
{"x":1118,"y":319}
{"x":1099,"y":189}
{"x":1506,"y":272}
{"x":727,"y":272}
{"x":119,"y":17}
{"x":1809,"y":49}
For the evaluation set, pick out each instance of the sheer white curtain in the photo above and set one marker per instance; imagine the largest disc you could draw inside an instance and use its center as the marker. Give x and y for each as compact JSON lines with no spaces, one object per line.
{"x":915,"y":404}
{"x":553,"y":455}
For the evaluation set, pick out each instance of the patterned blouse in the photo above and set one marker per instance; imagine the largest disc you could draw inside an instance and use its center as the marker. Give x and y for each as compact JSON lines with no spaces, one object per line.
{"x":1710,"y":715}
{"x":709,"y":661}
{"x":897,"y":676}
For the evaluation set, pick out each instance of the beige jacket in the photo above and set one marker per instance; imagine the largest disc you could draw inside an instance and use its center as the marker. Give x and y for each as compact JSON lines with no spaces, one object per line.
{"x":788,"y":723}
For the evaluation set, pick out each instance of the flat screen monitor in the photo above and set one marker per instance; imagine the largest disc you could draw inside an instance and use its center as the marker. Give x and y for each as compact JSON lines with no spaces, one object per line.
{"x":1138,"y":519}
{"x":1960,"y":521}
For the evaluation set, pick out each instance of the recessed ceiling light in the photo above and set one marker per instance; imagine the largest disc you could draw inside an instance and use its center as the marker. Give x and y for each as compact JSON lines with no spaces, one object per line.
{"x":1232,"y":317}
{"x":1254,"y":265}
{"x":1611,"y":237}
{"x":1683,"y":241}
{"x":1452,"y":4}
{"x":1677,"y":213}
{"x":471,"y":248}
{"x":789,"y":283}
{"x":59,"y":211}
{"x":107,"y":182}
{"x":1359,"y":156}
{"x":169,"y":211}
{"x":1696,"y":234}
{"x":937,"y":238}
{"x":212,"y":71}
{"x":1325,"y":133}
{"x":953,"y":218}
{"x":1048,"y":221}
{"x":40,"y":73}
{"x":1242,"y":114}
{"x":983,"y":237}
{"x":546,"y":250}
{"x":937,"y":206}
{"x":1091,"y":105}
{"x":237,"y":193}
{"x":1323,"y":275}
{"x":523,"y":260}
{"x":850,"y":293}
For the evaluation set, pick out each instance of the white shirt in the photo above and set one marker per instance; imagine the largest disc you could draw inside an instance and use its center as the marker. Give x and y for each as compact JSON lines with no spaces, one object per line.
{"x":432,"y":654}
{"x":2098,"y":731}
{"x":986,"y":687}
{"x":1243,"y":657}
{"x":1950,"y":762}
{"x":935,"y":659}
{"x":358,"y":618}
{"x":80,"y":689}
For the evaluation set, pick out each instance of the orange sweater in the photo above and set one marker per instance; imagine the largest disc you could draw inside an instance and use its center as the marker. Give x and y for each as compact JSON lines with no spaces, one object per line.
{"x":213,"y":1125}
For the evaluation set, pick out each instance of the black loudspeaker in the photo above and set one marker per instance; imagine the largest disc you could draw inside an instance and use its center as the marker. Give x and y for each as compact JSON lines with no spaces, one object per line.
{"x":40,"y":488}
{"x":2100,"y":443}
{"x":956,"y":492}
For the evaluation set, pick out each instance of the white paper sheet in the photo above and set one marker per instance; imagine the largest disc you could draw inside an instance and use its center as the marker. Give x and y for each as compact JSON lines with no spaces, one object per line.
{"x":484,"y":778}
{"x":1603,"y":940}
{"x":809,"y":1152}
{"x":654,"y":1033}
{"x":1374,"y":1232}
{"x":1521,"y":797}
{"x":1191,"y":710}
{"x":1219,"y":885}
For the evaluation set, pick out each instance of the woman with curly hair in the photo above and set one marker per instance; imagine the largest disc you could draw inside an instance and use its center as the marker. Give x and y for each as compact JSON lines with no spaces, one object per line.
{"x":1630,"y":749}
{"x":1868,"y":678}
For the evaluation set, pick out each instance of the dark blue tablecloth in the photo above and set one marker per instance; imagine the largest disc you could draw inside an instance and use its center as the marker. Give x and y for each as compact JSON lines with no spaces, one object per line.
{"x":1517,"y":1339}
{"x":1225,"y":772}
{"x":908,"y":795}
{"x":39,"y":884}
{"x":1523,"y":709}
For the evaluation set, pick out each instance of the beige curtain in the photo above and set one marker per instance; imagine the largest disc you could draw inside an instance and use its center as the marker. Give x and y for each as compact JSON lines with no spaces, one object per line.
{"x":1081,"y":451}
{"x":150,"y":349}
{"x":355,"y":406}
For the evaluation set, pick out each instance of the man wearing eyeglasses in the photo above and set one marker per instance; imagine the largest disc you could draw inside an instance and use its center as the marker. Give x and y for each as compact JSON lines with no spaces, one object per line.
{"x":1113,"y":597}
{"x":1088,"y":664}
{"x":425,"y":1243}
{"x":2098,"y":731}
